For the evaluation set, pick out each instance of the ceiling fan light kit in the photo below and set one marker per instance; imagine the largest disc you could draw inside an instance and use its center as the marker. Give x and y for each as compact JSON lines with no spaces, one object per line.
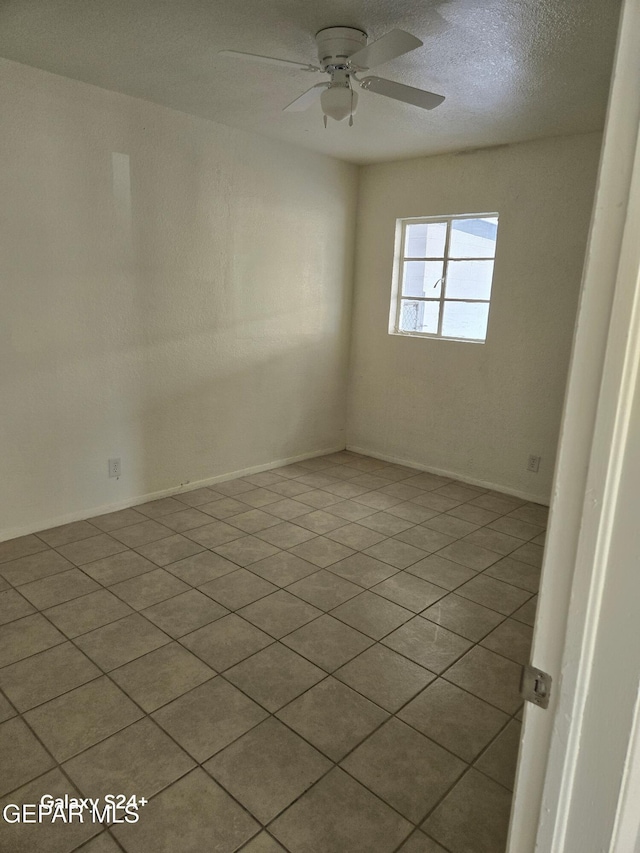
{"x":343,"y":52}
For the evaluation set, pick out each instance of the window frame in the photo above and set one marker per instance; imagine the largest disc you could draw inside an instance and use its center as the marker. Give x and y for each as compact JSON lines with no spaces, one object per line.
{"x":398,"y":279}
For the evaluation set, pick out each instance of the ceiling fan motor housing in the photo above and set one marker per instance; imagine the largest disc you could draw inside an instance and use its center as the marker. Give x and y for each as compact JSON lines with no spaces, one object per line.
{"x":337,"y":44}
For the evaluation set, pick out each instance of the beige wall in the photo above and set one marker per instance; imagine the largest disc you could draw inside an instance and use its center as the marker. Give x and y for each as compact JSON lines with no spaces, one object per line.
{"x":475,"y":411}
{"x":194,"y":323}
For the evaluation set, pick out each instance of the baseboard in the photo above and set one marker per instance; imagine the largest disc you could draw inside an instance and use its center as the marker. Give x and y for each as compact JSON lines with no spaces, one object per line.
{"x":103,"y":509}
{"x":454,"y":475}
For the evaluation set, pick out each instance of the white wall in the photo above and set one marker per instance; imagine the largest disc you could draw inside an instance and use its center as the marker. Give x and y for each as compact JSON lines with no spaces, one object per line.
{"x":193,"y":321}
{"x":475,"y":411}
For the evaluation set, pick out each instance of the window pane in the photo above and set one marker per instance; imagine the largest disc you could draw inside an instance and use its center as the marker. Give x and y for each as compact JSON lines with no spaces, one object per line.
{"x":419,"y":316}
{"x":422,"y":278}
{"x":468,"y":279}
{"x":425,"y":240}
{"x":473,"y":238}
{"x":465,"y":320}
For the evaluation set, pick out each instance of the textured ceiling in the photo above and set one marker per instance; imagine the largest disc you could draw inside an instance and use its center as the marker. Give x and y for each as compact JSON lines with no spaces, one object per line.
{"x":510,"y":69}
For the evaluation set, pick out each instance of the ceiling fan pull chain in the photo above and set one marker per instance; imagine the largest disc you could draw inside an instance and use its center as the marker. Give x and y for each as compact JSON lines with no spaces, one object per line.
{"x":325,"y":121}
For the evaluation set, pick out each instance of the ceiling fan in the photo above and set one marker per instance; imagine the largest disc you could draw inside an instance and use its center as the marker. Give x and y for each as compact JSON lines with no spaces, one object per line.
{"x":343,"y":52}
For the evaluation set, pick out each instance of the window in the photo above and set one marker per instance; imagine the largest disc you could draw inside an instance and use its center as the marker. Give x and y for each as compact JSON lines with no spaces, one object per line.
{"x":443,"y":277}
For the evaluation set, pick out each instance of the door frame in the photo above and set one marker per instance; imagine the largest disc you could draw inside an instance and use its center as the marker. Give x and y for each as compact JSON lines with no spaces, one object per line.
{"x":575,"y":624}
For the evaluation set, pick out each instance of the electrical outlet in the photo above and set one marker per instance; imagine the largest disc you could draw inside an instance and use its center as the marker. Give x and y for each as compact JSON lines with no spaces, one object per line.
{"x":115,"y":467}
{"x":533,"y":464}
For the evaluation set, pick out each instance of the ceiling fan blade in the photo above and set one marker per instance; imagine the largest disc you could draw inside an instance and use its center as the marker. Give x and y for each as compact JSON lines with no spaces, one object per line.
{"x":400,"y":92}
{"x":307,"y":98}
{"x":384,"y":49}
{"x":268,"y":60}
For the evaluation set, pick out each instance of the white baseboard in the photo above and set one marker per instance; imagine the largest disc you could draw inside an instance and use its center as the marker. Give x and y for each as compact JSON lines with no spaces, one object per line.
{"x":82,"y":515}
{"x":454,"y":475}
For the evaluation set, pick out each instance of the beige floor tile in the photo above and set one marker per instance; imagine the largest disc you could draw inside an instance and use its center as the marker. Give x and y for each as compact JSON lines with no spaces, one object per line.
{"x":238,"y":589}
{"x":425,"y":538}
{"x":455,"y":719}
{"x":197,"y":497}
{"x":150,"y":588}
{"x":94,"y":548}
{"x":140,"y":760}
{"x":184,"y":613}
{"x":283,"y":568}
{"x":435,"y":502}
{"x":498,"y":502}
{"x":512,"y":640}
{"x":34,"y":567}
{"x":263,"y":478}
{"x":87,"y":613}
{"x":332,"y":717}
{"x":263,"y":843}
{"x":226,"y":642}
{"x":409,"y":591}
{"x":221,"y":508}
{"x":59,"y":588}
{"x":142,"y":533}
{"x":514,"y":527}
{"x":475,"y":514}
{"x":121,"y":518}
{"x":168,"y":825}
{"x":119,"y":567}
{"x":186,"y":519}
{"x":459,"y":492}
{"x":363,"y":570}
{"x":493,"y":540}
{"x":427,"y":644}
{"x":23,"y":756}
{"x":322,"y":552}
{"x":532,"y":514}
{"x":44,"y":676}
{"x":201,"y":568}
{"x":516,"y":573}
{"x":336,"y":815}
{"x":287,"y":509}
{"x":233,"y":487}
{"x":401,"y":490}
{"x":120,"y":642}
{"x":160,"y":507}
{"x":324,"y":589}
{"x":327,"y":642}
{"x":214,"y":533}
{"x":274,"y":676}
{"x":316,"y":480}
{"x":385,"y":677}
{"x":377,"y":500}
{"x":45,"y":837}
{"x":493,"y":594}
{"x":396,"y":553}
{"x":489,"y":676}
{"x":246,"y":550}
{"x":404,"y":768}
{"x":285,"y":534}
{"x":527,"y":613}
{"x":291,"y":489}
{"x":420,"y":843}
{"x":371,"y":614}
{"x":441,"y":572}
{"x":455,"y":527}
{"x":67,"y":533}
{"x":267,"y":769}
{"x":102,"y":843}
{"x":161,"y":676}
{"x":385,"y":522}
{"x":529,"y":553}
{"x":417,"y":513}
{"x":320,"y":522}
{"x":318,"y":499}
{"x":350,"y":510}
{"x":169,"y":550}
{"x":356,"y":536}
{"x":345,"y":489}
{"x":13,"y":606}
{"x":209,"y":718}
{"x":253,"y":521}
{"x":23,"y":546}
{"x":463,"y":617}
{"x":499,"y":761}
{"x":469,"y":555}
{"x":26,"y":637}
{"x":279,"y":613}
{"x":260,"y":497}
{"x":474,"y":817}
{"x":6,"y":710}
{"x":84,"y":716}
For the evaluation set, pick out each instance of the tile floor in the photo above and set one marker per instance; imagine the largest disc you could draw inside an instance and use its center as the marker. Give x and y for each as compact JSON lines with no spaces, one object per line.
{"x":322,"y":658}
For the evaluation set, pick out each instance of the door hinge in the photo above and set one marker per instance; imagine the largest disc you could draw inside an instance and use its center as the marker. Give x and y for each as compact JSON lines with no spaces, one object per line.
{"x":535,"y":686}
